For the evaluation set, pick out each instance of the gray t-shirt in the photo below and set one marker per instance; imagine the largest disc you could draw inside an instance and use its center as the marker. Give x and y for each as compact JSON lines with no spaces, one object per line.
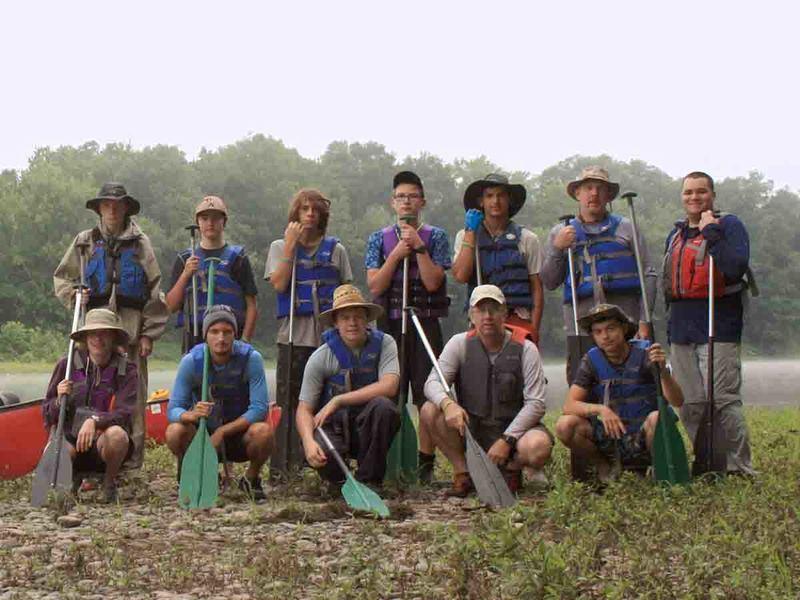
{"x":453,"y":359}
{"x":529,"y":248}
{"x":554,"y":272}
{"x":306,"y":328}
{"x":323,"y":364}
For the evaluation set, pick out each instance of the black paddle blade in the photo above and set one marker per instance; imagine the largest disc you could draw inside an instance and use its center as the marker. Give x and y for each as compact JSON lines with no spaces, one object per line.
{"x":710,"y":454}
{"x":53,"y":473}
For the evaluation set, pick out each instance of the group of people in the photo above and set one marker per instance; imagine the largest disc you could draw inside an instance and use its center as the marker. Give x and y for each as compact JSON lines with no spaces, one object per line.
{"x":340,"y":354}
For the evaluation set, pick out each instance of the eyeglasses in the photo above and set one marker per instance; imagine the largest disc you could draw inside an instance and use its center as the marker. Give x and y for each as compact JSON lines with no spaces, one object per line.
{"x":409,"y":197}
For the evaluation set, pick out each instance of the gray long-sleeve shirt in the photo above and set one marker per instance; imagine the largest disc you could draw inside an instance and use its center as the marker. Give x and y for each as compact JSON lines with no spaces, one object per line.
{"x":453,"y":358}
{"x":554,"y":272}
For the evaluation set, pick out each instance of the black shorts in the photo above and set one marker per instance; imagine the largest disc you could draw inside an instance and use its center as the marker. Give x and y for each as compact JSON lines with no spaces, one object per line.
{"x":235,"y":448}
{"x":91,"y":461}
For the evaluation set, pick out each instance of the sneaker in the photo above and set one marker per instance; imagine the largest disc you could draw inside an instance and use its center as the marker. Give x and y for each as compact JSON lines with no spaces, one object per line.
{"x":462,"y":486}
{"x":426,"y":464}
{"x":536,"y":477}
{"x":110,"y":494}
{"x":253,"y":488}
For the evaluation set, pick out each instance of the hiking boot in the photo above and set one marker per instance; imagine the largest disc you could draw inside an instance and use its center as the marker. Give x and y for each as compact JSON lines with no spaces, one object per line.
{"x":426,"y":464}
{"x":253,"y":488}
{"x":513,"y":480}
{"x":462,"y":486}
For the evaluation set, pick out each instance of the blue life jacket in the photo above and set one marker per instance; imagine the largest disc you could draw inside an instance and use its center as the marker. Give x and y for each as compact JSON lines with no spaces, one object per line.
{"x":226,"y":289}
{"x":229,"y":387}
{"x":614,"y":262}
{"x":503,"y":265}
{"x":118,"y":263}
{"x":428,"y":304}
{"x":315,"y":279}
{"x":621,"y":387}
{"x":354,"y":372}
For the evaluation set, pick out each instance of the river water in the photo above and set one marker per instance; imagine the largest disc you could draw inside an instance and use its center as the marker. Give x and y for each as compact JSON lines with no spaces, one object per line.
{"x":773,"y":383}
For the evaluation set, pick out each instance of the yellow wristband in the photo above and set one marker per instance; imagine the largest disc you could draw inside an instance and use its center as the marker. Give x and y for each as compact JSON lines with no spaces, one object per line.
{"x":468,"y":245}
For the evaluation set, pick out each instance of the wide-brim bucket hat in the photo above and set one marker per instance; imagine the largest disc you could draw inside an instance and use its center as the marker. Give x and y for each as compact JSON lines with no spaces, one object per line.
{"x":114,"y":191}
{"x":101,"y":319}
{"x":606,"y":312}
{"x":348,"y":296}
{"x":597,"y":174}
{"x":516,"y":192}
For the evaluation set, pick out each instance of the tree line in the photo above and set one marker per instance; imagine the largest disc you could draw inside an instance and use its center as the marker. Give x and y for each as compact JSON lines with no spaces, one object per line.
{"x":43,"y":207}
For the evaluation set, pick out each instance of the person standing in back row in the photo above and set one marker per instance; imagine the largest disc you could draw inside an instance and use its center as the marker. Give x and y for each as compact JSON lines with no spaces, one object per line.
{"x":686,"y":274}
{"x":235,"y":284}
{"x":509,"y":254}
{"x":428,"y":251}
{"x":321,"y":265}
{"x":122,"y":275}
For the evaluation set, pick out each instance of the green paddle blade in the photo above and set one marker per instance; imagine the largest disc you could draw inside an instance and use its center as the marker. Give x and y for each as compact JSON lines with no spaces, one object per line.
{"x":669,"y":454}
{"x":402,"y":462}
{"x":359,"y":497}
{"x":198,"y":487}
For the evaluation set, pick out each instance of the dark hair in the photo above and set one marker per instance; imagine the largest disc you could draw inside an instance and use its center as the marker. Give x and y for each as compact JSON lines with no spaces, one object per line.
{"x":700,"y":175}
{"x":409,"y":178}
{"x":315,"y":197}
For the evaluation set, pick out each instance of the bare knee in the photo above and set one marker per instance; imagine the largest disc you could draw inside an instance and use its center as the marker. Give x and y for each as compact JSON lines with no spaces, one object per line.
{"x":429,"y":413}
{"x":178,"y":436}
{"x":261,"y":436}
{"x":534,"y":448}
{"x":115,"y":438}
{"x":566,"y":426}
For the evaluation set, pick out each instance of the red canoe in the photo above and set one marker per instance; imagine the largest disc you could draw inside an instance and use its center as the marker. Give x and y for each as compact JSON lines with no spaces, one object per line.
{"x":23,"y":436}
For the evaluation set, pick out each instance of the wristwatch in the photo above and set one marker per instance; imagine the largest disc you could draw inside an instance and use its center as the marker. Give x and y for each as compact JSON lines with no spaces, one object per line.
{"x":421,"y":250}
{"x":510,"y":440}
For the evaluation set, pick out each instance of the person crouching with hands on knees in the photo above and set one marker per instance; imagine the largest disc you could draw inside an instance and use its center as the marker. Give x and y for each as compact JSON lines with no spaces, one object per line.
{"x":238,"y":389}
{"x":500,"y":385}
{"x":347,"y":388}
{"x":101,"y":396}
{"x":611,"y":406}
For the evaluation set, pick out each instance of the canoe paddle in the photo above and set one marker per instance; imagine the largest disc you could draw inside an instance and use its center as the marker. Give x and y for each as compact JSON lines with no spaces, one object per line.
{"x":402,"y":461}
{"x":198,"y":486}
{"x":54,"y":471}
{"x":670,"y":464}
{"x":490,"y":484}
{"x":357,"y":495}
{"x":709,"y":445}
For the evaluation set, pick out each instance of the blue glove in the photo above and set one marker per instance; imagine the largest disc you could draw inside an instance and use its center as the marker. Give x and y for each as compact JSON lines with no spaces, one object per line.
{"x":473,"y":219}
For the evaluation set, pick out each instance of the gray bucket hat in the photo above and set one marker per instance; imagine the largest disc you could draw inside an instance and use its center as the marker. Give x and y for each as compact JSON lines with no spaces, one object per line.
{"x":606,"y":312}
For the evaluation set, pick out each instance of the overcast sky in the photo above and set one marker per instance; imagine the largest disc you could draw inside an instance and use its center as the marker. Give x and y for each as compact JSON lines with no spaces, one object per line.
{"x":682,"y":85}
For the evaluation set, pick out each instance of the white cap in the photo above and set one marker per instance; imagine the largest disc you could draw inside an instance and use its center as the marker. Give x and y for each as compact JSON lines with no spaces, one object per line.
{"x":483,"y":292}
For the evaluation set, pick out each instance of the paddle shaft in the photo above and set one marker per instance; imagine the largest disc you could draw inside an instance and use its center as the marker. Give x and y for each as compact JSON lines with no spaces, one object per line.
{"x":571,"y":270}
{"x":710,"y":366}
{"x":336,"y":456}
{"x":195,"y":326}
{"x":291,"y":402}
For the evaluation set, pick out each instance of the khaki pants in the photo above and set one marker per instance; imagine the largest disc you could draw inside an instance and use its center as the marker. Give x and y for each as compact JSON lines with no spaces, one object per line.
{"x":690,"y":368}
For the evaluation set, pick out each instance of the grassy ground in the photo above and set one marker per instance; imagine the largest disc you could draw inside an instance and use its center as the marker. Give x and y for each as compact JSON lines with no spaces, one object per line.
{"x":732,"y":539}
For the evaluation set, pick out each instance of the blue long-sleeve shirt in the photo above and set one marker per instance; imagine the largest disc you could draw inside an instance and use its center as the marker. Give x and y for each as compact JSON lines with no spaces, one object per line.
{"x":182,"y":397}
{"x":729,"y":244}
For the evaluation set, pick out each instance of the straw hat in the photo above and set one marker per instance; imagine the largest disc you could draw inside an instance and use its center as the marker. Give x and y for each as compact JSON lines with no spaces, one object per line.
{"x":607,"y":312}
{"x":101,"y":319}
{"x":598,"y":174}
{"x":347,"y":296}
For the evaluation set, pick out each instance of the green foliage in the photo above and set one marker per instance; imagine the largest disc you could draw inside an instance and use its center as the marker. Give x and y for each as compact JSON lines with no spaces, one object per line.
{"x":43,"y":208}
{"x":20,"y":343}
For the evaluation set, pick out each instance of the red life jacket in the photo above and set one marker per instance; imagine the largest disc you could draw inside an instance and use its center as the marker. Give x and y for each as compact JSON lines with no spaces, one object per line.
{"x":687,"y":266}
{"x":518,"y":334}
